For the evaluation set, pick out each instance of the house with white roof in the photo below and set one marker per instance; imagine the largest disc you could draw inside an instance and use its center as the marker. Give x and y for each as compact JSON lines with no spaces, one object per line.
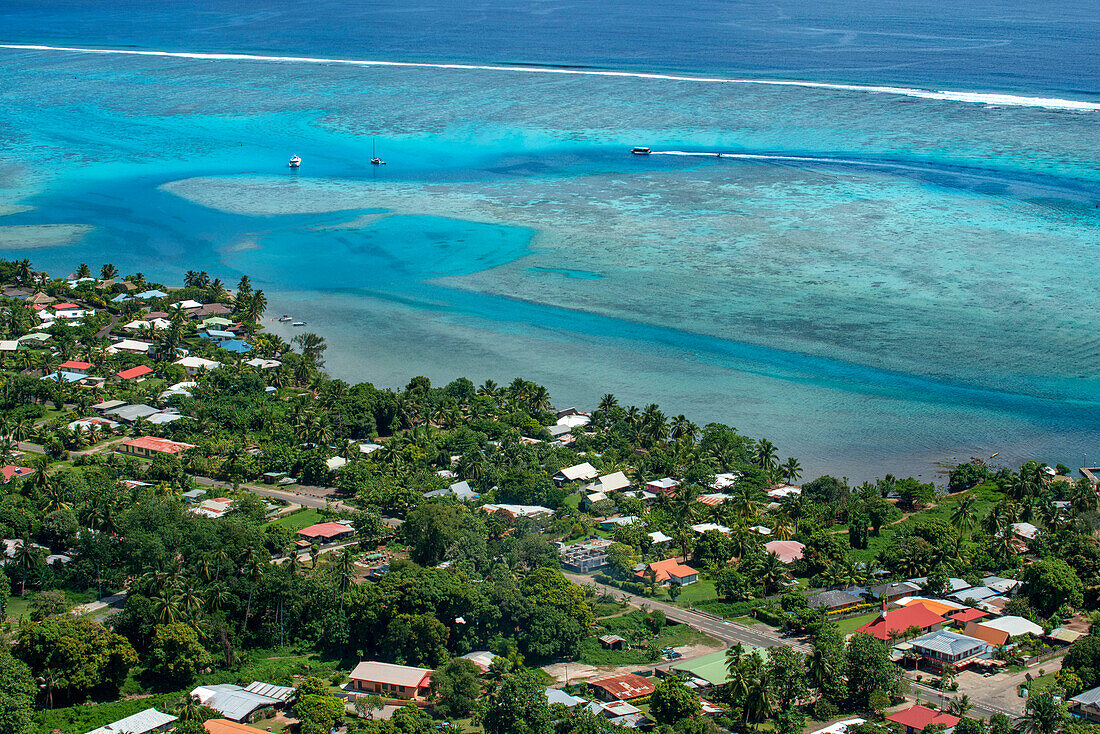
{"x":1014,"y":626}
{"x":577,"y":473}
{"x":391,"y":681}
{"x":130,"y":346}
{"x":614,"y":482}
{"x":195,"y":365}
{"x":705,"y":526}
{"x":143,"y":722}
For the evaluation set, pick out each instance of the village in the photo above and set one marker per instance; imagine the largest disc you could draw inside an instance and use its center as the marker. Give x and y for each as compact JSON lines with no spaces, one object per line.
{"x":256,"y":547}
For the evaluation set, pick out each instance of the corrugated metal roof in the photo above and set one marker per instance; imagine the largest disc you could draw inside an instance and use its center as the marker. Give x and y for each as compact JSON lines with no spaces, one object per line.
{"x":139,"y":723}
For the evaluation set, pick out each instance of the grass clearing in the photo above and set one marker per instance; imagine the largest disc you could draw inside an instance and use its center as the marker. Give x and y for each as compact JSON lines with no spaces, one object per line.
{"x":299,"y":520}
{"x":633,"y":627}
{"x":850,"y":625}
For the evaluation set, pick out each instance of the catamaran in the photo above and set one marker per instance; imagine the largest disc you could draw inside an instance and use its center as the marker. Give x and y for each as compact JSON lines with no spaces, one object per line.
{"x":374,"y":159}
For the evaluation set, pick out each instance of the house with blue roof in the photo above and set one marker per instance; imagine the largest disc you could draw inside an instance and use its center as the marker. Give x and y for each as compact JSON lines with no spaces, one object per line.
{"x":151,"y":294}
{"x":236,"y":346}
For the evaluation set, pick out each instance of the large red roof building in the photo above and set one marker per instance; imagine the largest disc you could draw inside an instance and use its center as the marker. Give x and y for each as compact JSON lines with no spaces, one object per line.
{"x":916,"y":718}
{"x":151,"y":446}
{"x":900,"y":620}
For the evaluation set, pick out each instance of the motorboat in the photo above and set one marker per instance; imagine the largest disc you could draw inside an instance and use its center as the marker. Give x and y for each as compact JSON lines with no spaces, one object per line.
{"x":640,"y":150}
{"x":295,"y":161}
{"x":284,"y":318}
{"x":299,"y":323}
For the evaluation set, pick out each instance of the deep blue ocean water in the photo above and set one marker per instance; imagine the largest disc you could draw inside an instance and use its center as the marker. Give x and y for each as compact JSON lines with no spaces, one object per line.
{"x":877,"y":280}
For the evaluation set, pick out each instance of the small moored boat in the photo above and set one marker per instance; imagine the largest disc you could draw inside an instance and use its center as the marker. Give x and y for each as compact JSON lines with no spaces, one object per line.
{"x":299,"y":323}
{"x":640,"y":150}
{"x":284,"y":318}
{"x":374,"y":159}
{"x":295,"y":161}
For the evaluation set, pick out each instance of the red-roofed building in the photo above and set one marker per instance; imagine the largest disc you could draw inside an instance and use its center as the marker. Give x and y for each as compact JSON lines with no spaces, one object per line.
{"x":11,"y":472}
{"x":671,"y":570}
{"x":73,"y":365}
{"x":962,"y":616}
{"x":622,"y":687}
{"x":326,"y":532}
{"x":151,"y":446}
{"x":65,"y":306}
{"x":916,"y":718}
{"x":901,"y":620}
{"x":134,"y":372}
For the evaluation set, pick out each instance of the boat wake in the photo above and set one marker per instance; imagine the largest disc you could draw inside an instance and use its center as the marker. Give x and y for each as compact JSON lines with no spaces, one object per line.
{"x":986,"y":98}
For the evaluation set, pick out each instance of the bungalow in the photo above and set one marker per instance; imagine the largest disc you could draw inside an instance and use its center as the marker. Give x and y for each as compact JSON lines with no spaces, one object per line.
{"x":894,"y":591}
{"x":9,"y":345}
{"x":916,"y":718}
{"x":557,"y":695}
{"x":215,"y":322}
{"x":964,"y":616}
{"x":461,"y":490}
{"x":659,"y":538}
{"x":979,"y":631}
{"x":1087,"y":705}
{"x":788,"y":551}
{"x":898,"y":622}
{"x":834,"y":601}
{"x":11,"y":472}
{"x":213,"y":508}
{"x":243,"y":704}
{"x":622,"y":687}
{"x":149,"y":446}
{"x":134,"y":372}
{"x":225,"y":726}
{"x":131,"y":413}
{"x":189,"y":304}
{"x":703,"y":527}
{"x":665,"y":485}
{"x":75,"y":366}
{"x":713,"y":499}
{"x":615,"y":482}
{"x":514,"y":511}
{"x":195,"y":365}
{"x":392,"y":681}
{"x":973,"y":595}
{"x":237,"y":346}
{"x":577,"y":473}
{"x":72,"y":314}
{"x":783,"y":491}
{"x":725,"y":481}
{"x":613,"y":642}
{"x":669,"y":571}
{"x":483,"y":659}
{"x":326,"y":532}
{"x":210,"y":309}
{"x":130,"y":346}
{"x":143,"y":722}
{"x":217,"y":335}
{"x":944,"y":650}
{"x":1014,"y":626}
{"x":92,"y":424}
{"x":263,"y":364}
{"x":614,"y":522}
{"x":108,"y":405}
{"x":1025,"y":531}
{"x":154,"y":293}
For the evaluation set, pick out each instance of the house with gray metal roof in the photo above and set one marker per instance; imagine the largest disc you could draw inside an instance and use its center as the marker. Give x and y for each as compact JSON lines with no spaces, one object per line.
{"x":1087,"y":705}
{"x":243,"y":704}
{"x":834,"y":600}
{"x":143,"y":722}
{"x":944,"y":649}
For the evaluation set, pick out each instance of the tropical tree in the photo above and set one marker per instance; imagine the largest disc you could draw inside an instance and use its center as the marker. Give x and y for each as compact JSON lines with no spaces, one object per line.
{"x":764,"y":455}
{"x":108,"y":271}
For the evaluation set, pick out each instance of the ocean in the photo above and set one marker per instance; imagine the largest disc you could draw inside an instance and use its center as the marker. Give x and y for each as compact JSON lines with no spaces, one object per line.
{"x":892,"y":265}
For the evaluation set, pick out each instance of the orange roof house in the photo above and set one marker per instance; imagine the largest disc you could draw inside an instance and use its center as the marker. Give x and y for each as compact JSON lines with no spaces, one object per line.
{"x":75,"y":365}
{"x":963,"y":616}
{"x":671,"y":570}
{"x":225,"y":726}
{"x":900,"y":620}
{"x":622,"y":687}
{"x":11,"y":472}
{"x":979,"y":631}
{"x":151,"y":446}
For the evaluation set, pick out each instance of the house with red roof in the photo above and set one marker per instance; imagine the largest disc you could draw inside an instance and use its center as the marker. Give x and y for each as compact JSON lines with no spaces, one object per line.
{"x":75,"y":365}
{"x":670,"y":570}
{"x":10,"y":472}
{"x":134,"y":372}
{"x":326,"y":532}
{"x":916,"y":718}
{"x":901,"y":621}
{"x":622,"y":687}
{"x":970,"y":614}
{"x":149,"y":446}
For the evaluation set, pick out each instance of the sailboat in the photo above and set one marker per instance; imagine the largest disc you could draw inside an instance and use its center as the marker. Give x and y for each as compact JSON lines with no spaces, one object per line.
{"x":374,"y":159}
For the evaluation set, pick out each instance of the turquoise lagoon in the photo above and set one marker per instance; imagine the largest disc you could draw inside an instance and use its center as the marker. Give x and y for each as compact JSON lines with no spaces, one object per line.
{"x":885,"y":283}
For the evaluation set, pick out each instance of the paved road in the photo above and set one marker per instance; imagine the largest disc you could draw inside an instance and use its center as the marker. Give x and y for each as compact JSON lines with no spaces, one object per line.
{"x":305,"y":500}
{"x":721,"y":629}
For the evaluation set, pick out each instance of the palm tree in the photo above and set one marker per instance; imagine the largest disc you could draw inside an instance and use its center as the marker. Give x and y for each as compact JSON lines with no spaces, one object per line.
{"x":244,"y":287}
{"x":254,"y":572}
{"x":765,"y":455}
{"x":964,"y":516}
{"x":772,"y":573}
{"x":314,"y":554}
{"x":83,"y":271}
{"x":166,"y":608}
{"x":189,"y":709}
{"x":784,"y":528}
{"x":1044,"y":715}
{"x":28,"y":559}
{"x":108,"y":271}
{"x":792,"y":470}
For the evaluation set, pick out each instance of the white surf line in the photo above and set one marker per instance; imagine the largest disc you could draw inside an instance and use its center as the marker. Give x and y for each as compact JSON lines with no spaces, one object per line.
{"x":771,"y":158}
{"x":987,"y":98}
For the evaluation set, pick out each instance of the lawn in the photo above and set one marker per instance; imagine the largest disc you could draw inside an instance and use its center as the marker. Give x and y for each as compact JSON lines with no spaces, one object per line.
{"x":632,"y":627}
{"x":702,"y":590}
{"x":299,"y":520}
{"x":850,"y":625}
